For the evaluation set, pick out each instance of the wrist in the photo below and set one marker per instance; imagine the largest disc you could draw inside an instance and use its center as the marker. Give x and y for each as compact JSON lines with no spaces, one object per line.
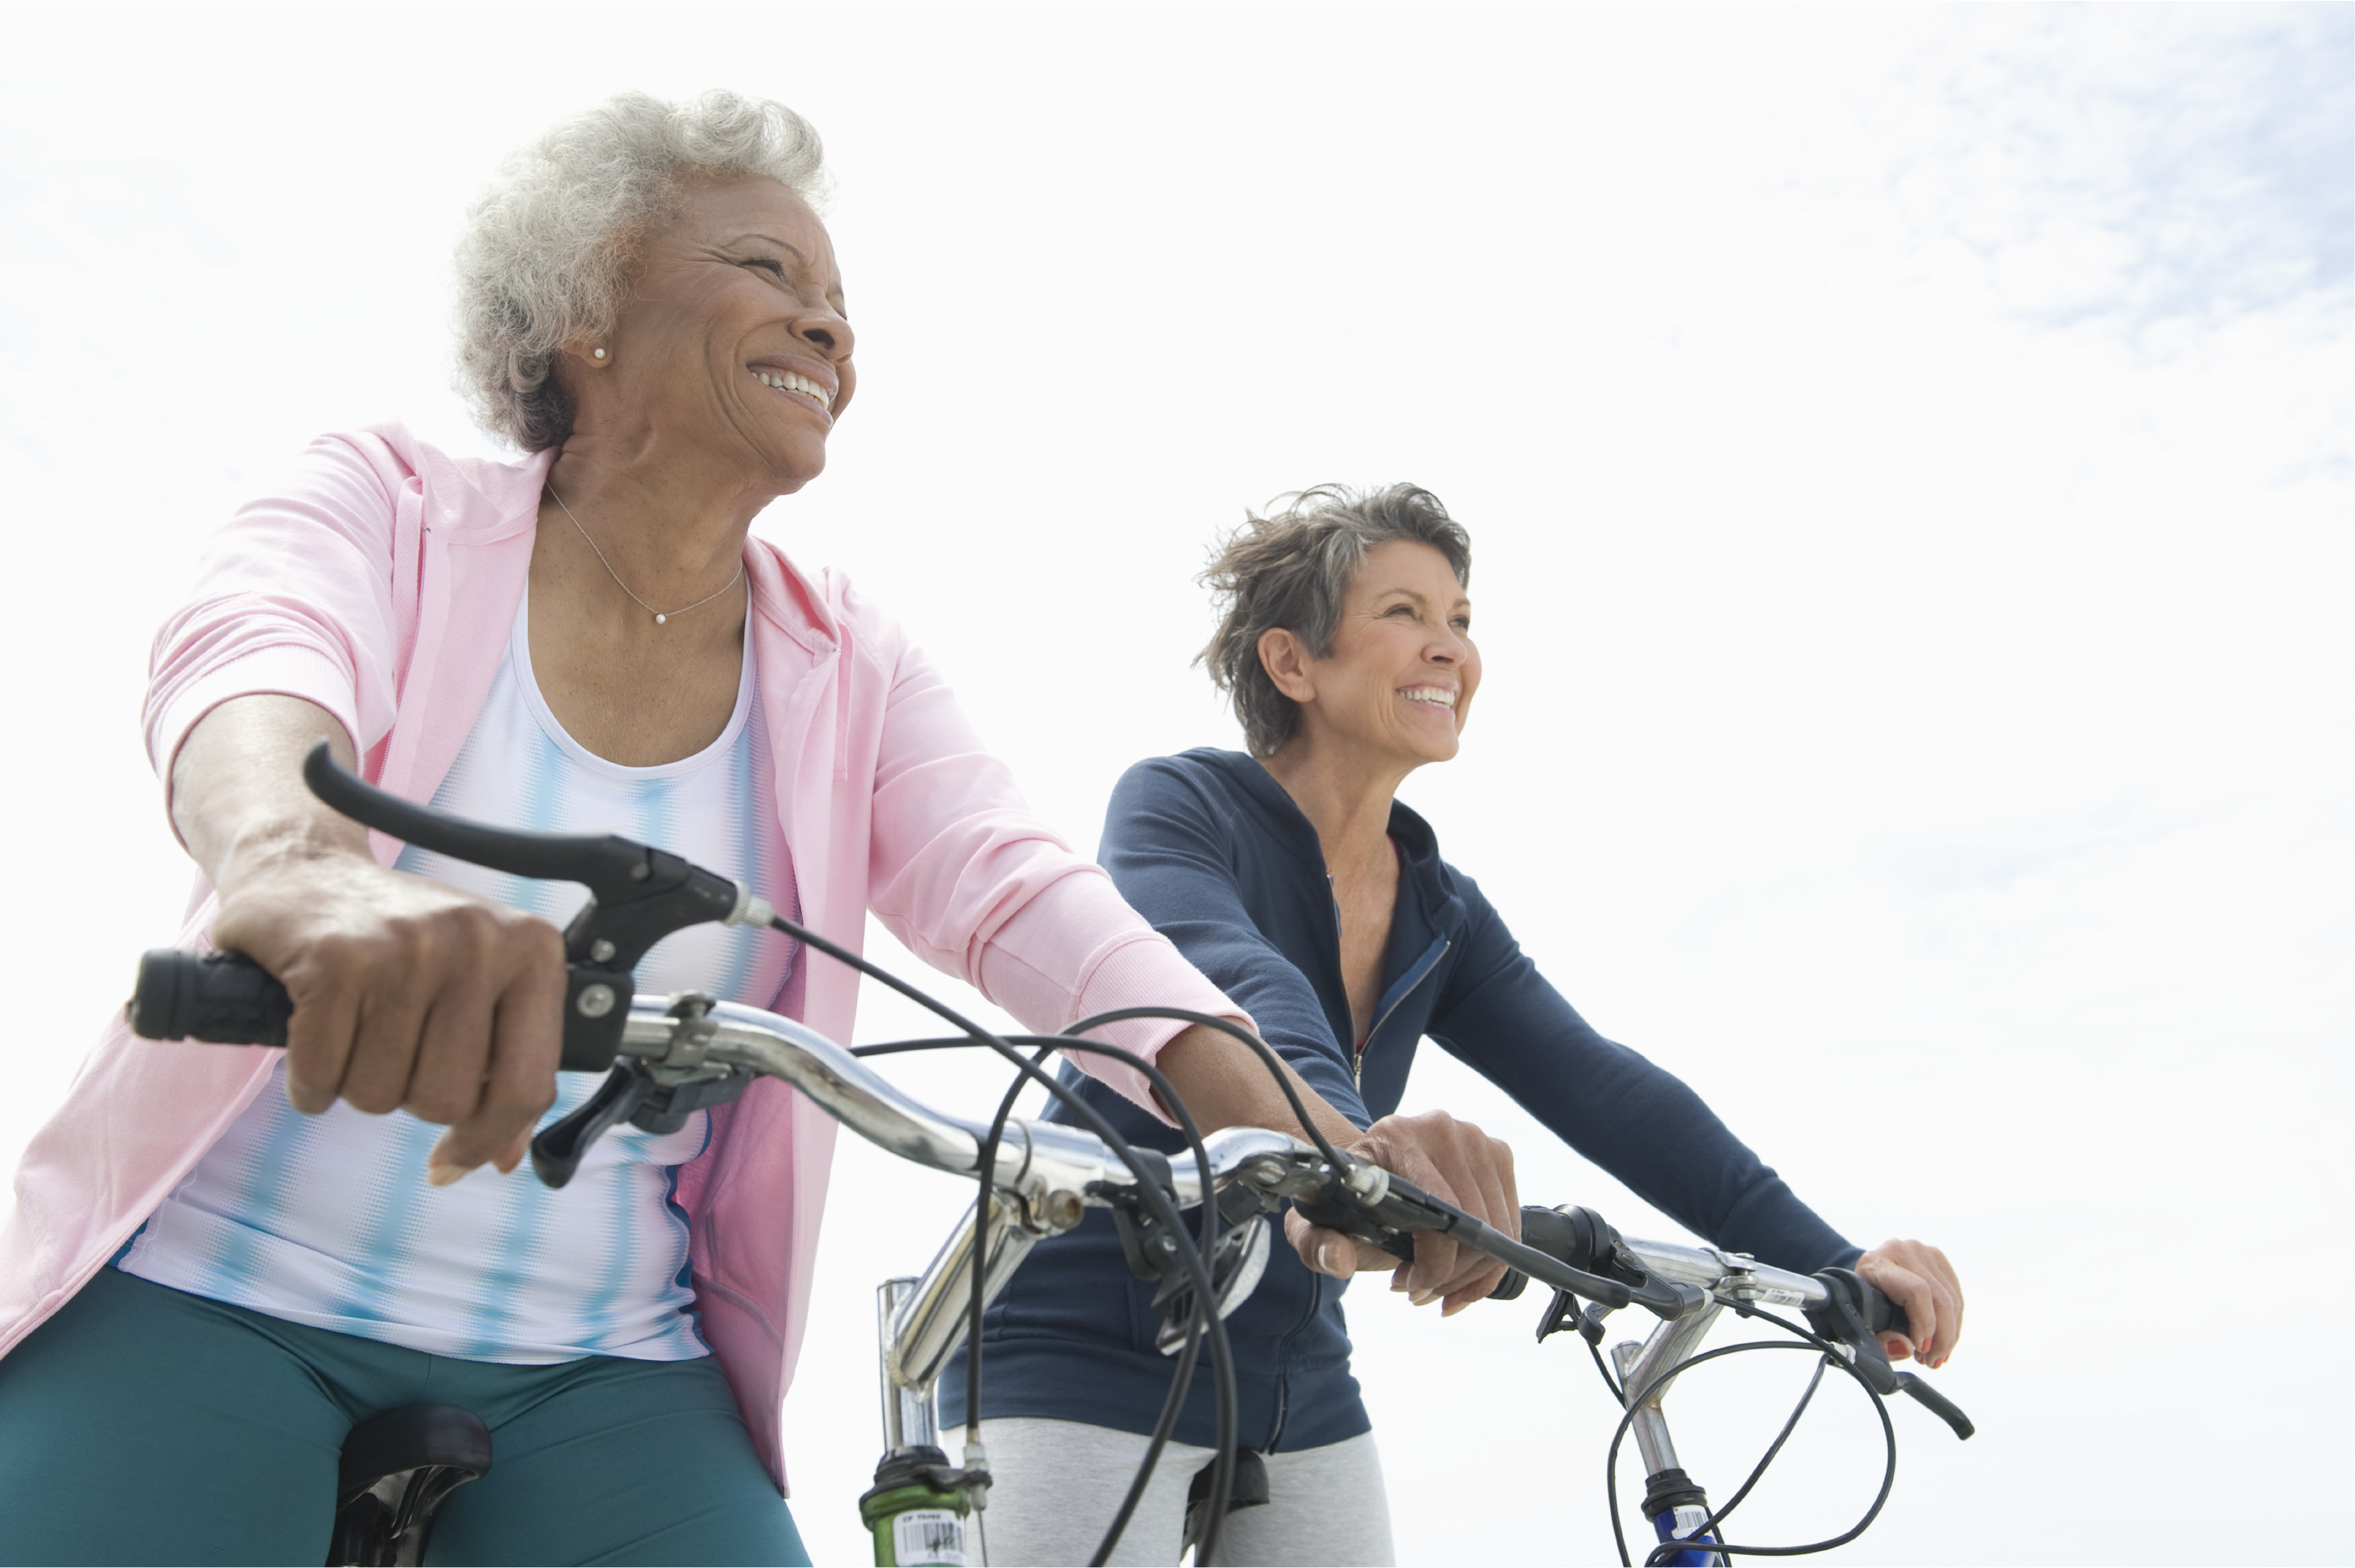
{"x":270,"y":849}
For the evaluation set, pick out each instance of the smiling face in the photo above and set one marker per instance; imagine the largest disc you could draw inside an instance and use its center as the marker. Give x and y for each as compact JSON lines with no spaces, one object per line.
{"x":732,"y":344}
{"x":1397,"y":686}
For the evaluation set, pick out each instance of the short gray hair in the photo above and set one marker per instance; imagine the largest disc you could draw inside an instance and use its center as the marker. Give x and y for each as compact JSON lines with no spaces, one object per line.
{"x":1293,"y":569}
{"x":550,"y":249}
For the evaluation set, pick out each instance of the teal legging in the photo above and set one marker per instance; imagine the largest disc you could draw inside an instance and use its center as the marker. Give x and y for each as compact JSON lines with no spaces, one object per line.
{"x":143,"y":1424}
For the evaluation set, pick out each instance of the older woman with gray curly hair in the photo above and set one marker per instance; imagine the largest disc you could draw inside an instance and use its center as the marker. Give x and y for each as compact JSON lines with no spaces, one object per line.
{"x":223,"y":1258}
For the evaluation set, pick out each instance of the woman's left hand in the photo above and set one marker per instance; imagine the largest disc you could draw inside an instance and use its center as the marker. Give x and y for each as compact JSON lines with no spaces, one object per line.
{"x":1917,"y":1276}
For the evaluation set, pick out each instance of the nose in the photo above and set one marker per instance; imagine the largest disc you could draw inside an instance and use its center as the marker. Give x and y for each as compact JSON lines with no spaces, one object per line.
{"x":827,"y":332}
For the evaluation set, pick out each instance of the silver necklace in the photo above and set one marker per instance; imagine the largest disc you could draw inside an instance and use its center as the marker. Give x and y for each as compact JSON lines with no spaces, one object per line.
{"x":661,"y":616}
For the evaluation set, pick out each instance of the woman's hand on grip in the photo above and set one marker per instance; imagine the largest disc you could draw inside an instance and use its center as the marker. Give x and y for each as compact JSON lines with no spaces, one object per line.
{"x":409,"y":995}
{"x":1917,"y":1276}
{"x":1454,"y":1161}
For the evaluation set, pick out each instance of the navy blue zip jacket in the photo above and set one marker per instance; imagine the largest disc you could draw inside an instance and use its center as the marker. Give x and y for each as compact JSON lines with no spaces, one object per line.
{"x":1208,"y":848}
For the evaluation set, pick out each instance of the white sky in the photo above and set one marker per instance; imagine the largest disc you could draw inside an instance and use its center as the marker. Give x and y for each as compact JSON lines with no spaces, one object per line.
{"x":1906,"y":454}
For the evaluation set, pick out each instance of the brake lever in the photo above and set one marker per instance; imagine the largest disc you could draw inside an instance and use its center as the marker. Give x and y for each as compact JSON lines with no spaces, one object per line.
{"x":637,"y":896}
{"x":1845,"y":1317}
{"x":1366,"y":1203}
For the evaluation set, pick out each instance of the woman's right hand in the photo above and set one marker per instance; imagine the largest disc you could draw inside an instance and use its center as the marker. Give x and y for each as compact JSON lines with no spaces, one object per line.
{"x":408,"y":994}
{"x":1225,"y":1084}
{"x":1454,"y":1161}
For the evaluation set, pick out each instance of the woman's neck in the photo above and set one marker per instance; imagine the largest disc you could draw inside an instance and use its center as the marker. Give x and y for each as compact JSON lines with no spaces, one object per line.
{"x":671,"y":531}
{"x":1345,"y":798}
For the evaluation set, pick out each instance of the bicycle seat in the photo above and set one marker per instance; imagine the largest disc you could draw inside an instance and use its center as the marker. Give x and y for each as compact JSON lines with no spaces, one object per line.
{"x":1250,"y":1491}
{"x":398,"y":1466}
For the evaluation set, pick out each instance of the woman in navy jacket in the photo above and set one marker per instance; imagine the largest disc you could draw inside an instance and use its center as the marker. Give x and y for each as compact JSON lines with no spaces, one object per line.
{"x":1294,"y":880}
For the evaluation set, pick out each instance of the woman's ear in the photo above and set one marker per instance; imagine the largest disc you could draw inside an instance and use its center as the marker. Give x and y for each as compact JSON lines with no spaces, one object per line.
{"x":1285,"y":658}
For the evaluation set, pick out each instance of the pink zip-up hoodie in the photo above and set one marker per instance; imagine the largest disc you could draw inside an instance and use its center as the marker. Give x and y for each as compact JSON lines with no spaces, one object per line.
{"x":381,"y":585}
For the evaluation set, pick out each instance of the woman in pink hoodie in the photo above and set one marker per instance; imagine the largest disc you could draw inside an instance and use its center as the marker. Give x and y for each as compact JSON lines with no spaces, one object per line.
{"x":220,"y":1258}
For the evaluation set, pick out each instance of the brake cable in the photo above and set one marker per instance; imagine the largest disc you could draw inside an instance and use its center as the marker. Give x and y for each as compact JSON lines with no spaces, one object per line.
{"x":1205,"y":1301}
{"x":1830,"y":1355}
{"x":1149,"y":1192}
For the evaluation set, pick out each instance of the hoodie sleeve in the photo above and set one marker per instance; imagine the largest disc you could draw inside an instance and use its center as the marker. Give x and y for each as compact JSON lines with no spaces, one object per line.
{"x":1635,"y":1120}
{"x":1172,"y":854}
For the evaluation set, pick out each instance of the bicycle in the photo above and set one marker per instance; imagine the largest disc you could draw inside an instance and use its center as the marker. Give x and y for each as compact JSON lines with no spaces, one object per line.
{"x":666,"y":1057}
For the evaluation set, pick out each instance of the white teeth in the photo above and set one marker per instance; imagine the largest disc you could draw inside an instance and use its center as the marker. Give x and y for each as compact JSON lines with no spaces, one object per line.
{"x":787,"y":381}
{"x":1438,"y":696}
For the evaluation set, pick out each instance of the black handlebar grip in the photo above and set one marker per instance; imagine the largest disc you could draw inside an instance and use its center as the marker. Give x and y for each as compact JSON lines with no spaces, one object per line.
{"x":224,"y":998}
{"x":1574,"y":1236}
{"x":1882,"y":1315}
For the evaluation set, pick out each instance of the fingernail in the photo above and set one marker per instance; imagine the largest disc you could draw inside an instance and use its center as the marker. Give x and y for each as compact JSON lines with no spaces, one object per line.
{"x":1328,"y":1257}
{"x":441,"y":1173}
{"x":1422,"y":1297}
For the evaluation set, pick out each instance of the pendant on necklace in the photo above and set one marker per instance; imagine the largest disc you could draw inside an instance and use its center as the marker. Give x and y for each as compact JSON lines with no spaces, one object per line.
{"x":660,"y":619}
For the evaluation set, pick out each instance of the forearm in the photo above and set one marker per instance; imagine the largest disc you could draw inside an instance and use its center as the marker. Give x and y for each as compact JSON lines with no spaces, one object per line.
{"x":408,"y":994}
{"x":238,"y":797}
{"x":1226,"y":1084}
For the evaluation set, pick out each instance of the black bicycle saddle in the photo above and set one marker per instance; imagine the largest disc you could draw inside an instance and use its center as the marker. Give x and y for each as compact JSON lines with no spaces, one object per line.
{"x":398,"y":1466}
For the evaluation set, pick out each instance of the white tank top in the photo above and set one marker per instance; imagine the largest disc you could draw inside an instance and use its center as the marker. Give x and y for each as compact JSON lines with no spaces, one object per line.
{"x":327,"y":1220}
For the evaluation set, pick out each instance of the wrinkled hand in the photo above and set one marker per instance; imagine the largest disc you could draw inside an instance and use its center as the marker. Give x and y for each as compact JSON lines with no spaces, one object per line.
{"x":410,"y":995}
{"x":1451,"y":1160}
{"x":1918,"y":1278}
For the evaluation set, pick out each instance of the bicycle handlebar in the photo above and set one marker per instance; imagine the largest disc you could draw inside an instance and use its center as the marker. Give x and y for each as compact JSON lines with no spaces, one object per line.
{"x":670,"y":1056}
{"x":1054,"y":1171}
{"x":226,"y":998}
{"x":1840,"y":1305}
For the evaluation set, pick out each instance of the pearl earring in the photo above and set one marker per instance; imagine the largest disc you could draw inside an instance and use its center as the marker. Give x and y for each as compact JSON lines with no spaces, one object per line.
{"x":598,"y":353}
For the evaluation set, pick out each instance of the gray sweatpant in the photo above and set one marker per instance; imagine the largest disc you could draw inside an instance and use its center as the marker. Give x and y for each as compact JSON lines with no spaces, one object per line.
{"x":1057,"y":1483}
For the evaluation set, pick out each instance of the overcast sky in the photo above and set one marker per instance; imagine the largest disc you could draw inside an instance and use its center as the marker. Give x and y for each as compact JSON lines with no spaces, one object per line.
{"x":1906,"y":454}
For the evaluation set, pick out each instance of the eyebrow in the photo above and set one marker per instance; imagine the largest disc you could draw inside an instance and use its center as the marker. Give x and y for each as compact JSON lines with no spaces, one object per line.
{"x":833,"y":290}
{"x":1462,"y":601}
{"x":793,"y":251}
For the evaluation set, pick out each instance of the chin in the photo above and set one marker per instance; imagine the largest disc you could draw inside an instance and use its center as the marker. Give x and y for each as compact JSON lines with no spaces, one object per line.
{"x":799,"y":469}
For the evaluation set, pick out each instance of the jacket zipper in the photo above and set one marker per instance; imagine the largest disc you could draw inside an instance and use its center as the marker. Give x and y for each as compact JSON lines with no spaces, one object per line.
{"x":1358,"y":1057}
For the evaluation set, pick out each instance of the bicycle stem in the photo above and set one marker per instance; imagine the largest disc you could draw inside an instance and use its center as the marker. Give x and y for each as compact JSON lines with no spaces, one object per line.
{"x":1646,"y":1373}
{"x":930,"y":1319}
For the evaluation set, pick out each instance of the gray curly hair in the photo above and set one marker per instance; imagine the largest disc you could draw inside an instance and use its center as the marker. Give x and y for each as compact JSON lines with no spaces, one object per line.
{"x":1293,"y":569}
{"x":548,"y":250}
